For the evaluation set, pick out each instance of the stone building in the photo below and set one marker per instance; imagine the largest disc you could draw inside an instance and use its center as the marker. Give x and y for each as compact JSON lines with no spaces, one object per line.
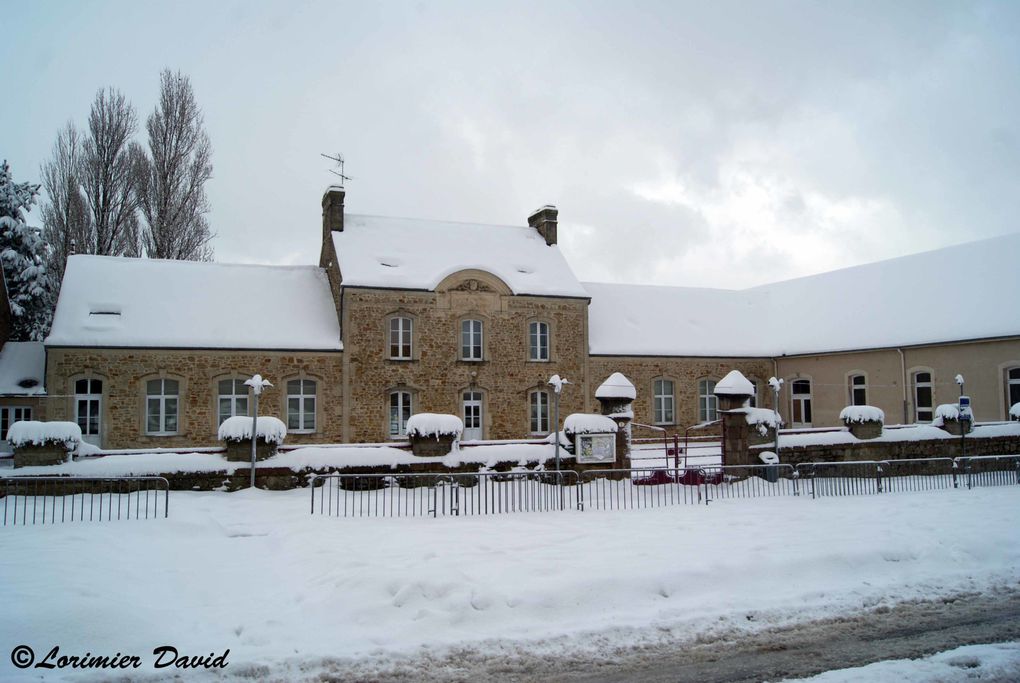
{"x":405,"y":316}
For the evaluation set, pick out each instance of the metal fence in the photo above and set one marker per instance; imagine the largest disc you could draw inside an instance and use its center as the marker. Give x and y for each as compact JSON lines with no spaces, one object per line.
{"x":434,"y":495}
{"x":52,"y":500}
{"x":410,"y":495}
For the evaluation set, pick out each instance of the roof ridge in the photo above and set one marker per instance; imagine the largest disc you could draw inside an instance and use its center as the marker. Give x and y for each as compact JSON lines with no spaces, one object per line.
{"x":438,"y":220}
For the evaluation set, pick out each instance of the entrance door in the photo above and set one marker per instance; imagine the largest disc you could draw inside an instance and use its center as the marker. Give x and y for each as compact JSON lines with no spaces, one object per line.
{"x":472,"y":415}
{"x":88,"y":402}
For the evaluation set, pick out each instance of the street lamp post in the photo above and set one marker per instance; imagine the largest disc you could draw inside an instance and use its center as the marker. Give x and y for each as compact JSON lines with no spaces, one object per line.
{"x":776,"y":385}
{"x":557,"y":383}
{"x":257,"y":384}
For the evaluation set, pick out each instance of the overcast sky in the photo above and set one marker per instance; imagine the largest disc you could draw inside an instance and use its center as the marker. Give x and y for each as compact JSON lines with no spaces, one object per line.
{"x":707,"y":144}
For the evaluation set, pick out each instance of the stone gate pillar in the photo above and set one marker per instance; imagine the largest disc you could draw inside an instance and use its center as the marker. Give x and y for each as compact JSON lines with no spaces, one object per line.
{"x":616,"y":400}
{"x":734,"y":392}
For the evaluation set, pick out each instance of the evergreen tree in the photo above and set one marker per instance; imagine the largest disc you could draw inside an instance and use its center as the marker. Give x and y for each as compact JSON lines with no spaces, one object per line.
{"x":23,"y":253}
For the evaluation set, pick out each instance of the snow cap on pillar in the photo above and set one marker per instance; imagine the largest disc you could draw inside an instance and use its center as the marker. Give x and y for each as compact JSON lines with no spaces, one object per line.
{"x":616,"y":386}
{"x":734,"y":384}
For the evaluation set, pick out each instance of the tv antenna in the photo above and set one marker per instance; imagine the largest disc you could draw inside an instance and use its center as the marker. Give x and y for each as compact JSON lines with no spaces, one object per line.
{"x":339,"y":171}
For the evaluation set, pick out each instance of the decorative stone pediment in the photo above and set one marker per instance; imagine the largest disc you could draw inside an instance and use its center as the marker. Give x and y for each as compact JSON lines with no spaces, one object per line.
{"x":473,"y":280}
{"x":472,"y":285}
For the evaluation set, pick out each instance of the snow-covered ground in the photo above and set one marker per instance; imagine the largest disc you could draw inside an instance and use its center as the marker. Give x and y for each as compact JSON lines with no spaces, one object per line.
{"x":995,"y":662}
{"x":293,"y":595}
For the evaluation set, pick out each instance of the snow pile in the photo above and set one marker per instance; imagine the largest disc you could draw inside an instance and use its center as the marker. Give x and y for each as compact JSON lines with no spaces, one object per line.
{"x":769,"y":458}
{"x":586,"y":423}
{"x":238,"y":428}
{"x":31,"y":432}
{"x":762,"y":419}
{"x":616,"y":386}
{"x":951,"y":411}
{"x":734,"y":384}
{"x":1014,"y":411}
{"x":992,"y":662}
{"x":859,"y":414}
{"x":425,"y":425}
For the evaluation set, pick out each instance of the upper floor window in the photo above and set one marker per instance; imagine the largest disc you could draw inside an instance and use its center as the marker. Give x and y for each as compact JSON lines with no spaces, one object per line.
{"x":1012,"y":388}
{"x":162,"y":403}
{"x":800,"y":398}
{"x":708,"y":402}
{"x":663,"y":401}
{"x":538,"y":341}
{"x":233,"y":399}
{"x":471,"y":340}
{"x":923,"y":397}
{"x":301,"y":401}
{"x":539,"y":412}
{"x":400,"y":338}
{"x":400,"y":413}
{"x":858,"y":386}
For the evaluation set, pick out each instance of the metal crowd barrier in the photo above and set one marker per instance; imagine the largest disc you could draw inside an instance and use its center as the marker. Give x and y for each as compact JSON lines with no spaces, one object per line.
{"x":628,"y":488}
{"x":434,"y":495}
{"x":990,"y":470}
{"x":52,"y":500}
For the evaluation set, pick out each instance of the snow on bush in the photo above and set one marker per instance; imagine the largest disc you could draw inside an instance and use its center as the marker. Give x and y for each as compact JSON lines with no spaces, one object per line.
{"x":434,"y":425}
{"x":33,"y":433}
{"x":1014,"y":412}
{"x":616,"y":386}
{"x":761,"y":419}
{"x":586,"y":423}
{"x":859,"y":414}
{"x":734,"y":384}
{"x":951,"y":411}
{"x":238,"y":428}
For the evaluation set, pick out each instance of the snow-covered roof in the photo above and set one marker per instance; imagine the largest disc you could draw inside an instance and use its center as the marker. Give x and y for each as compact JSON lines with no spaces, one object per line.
{"x":418,"y":254}
{"x":22,"y":369}
{"x":113,"y":301}
{"x":957,"y":293}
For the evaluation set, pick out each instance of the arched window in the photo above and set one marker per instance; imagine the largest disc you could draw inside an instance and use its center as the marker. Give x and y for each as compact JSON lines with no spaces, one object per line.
{"x":708,"y":403}
{"x":800,"y":398}
{"x":471,"y":340}
{"x":923,"y":396}
{"x":857,"y":385}
{"x":301,"y":401}
{"x":663,"y":402}
{"x":400,"y":338}
{"x":162,"y":404}
{"x":538,"y":341}
{"x":539,"y":401}
{"x":1012,"y":388}
{"x":232,"y":399}
{"x":400,"y":412}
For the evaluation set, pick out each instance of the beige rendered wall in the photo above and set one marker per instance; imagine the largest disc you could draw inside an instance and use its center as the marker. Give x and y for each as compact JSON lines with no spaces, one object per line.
{"x":983,"y":365}
{"x":124,"y":372}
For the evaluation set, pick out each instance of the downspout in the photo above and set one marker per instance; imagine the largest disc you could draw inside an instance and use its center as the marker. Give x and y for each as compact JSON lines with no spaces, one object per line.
{"x":903,"y":379}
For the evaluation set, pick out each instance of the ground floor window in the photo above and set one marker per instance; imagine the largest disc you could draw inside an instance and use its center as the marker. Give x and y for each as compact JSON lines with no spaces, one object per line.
{"x":400,"y":413}
{"x":539,"y":401}
{"x":708,"y":402}
{"x":923,"y":398}
{"x":162,"y":403}
{"x":233,"y":399}
{"x":800,"y":392}
{"x":11,"y":414}
{"x":858,"y":390}
{"x":301,"y":401}
{"x":1012,"y":388}
{"x":663,"y":400}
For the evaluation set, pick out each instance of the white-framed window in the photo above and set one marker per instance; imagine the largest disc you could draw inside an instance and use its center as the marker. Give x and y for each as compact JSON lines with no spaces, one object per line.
{"x":663,"y":401}
{"x":471,"y":406}
{"x":1012,"y":388}
{"x":471,"y":340}
{"x":11,"y":414}
{"x":301,"y":400}
{"x":400,"y":338}
{"x":400,"y":413}
{"x":800,"y":402}
{"x":857,"y":385}
{"x":754,"y":394}
{"x":539,"y":402}
{"x":88,"y":401}
{"x":924,"y":397}
{"x":538,"y":341}
{"x":162,"y":406}
{"x":708,"y":402}
{"x":232,"y":399}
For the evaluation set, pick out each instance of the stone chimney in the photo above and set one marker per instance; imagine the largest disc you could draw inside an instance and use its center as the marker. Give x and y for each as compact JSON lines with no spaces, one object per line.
{"x":544,"y":220}
{"x":332,"y":210}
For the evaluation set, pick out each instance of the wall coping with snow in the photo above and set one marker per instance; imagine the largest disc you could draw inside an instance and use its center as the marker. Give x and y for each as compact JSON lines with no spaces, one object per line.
{"x":433,"y":425}
{"x":589,"y":423}
{"x":859,"y":414}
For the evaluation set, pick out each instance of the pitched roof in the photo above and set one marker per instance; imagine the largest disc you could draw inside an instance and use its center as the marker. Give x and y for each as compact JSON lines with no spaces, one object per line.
{"x":22,"y":363}
{"x":963,"y":292}
{"x":417,"y":254}
{"x":114,"y":301}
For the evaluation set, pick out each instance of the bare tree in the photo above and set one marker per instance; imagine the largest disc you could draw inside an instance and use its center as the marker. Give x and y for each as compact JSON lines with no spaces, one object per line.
{"x":107,"y":175}
{"x":65,"y":215}
{"x":171,"y":179}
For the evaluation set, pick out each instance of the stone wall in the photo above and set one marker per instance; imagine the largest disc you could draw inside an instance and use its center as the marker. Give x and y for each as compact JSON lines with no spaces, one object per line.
{"x":436,"y":377}
{"x":894,"y":450}
{"x":685,"y":373}
{"x":125,"y":371}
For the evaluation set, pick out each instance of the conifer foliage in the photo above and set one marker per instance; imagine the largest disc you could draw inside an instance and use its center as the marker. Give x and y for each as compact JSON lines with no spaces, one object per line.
{"x":23,"y":252}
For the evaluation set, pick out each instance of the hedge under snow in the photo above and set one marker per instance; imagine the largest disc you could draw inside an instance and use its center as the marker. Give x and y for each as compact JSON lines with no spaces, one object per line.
{"x":761,"y":419}
{"x":951,"y":411}
{"x":859,"y":414}
{"x":31,"y":432}
{"x":434,"y":425}
{"x":586,"y":423}
{"x":238,"y":428}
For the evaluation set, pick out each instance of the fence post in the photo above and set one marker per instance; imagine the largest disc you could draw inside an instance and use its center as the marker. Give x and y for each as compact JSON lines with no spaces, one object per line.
{"x":878,"y":477}
{"x":956,"y":466}
{"x":796,"y":482}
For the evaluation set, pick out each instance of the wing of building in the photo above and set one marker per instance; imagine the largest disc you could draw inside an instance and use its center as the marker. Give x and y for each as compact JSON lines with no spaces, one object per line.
{"x":403,"y":316}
